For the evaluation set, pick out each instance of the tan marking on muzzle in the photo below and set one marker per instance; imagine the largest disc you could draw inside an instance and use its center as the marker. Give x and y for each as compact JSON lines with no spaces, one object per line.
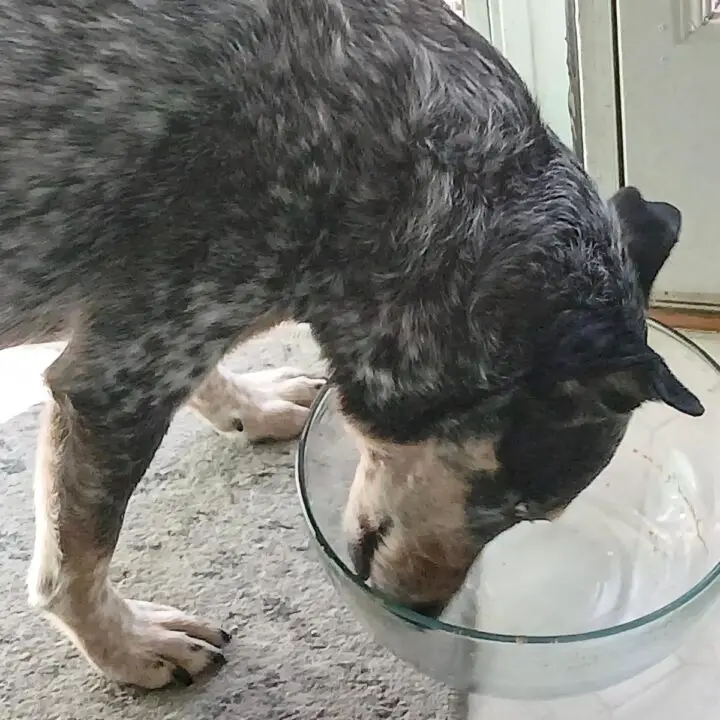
{"x":422,"y":489}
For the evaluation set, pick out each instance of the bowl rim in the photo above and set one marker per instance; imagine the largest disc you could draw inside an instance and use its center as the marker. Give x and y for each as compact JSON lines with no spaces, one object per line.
{"x":427,"y":623}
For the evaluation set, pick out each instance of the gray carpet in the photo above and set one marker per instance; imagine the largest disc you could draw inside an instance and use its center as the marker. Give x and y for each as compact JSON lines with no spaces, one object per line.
{"x":215,"y":528}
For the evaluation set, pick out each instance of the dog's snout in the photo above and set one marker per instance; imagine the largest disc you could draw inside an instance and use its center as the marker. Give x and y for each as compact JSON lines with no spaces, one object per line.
{"x":363,"y":548}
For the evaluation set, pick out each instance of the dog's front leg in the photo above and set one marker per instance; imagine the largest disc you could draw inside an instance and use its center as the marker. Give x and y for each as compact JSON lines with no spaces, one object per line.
{"x":266,"y":405}
{"x":96,"y":443}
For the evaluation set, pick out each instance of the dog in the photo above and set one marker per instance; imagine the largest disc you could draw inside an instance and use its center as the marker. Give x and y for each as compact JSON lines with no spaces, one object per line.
{"x":176,"y":176}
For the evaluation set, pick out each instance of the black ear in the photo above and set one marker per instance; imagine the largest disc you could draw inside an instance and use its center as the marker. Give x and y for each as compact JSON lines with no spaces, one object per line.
{"x":649,"y":379}
{"x":605,"y":353}
{"x":650,"y":231}
{"x":668,"y":389}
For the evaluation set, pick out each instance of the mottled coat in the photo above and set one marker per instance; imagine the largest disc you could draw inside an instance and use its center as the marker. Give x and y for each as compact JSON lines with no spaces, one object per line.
{"x":176,"y":175}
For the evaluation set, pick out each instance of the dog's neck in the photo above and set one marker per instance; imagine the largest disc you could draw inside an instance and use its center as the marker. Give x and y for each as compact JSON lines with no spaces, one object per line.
{"x":414,"y":383}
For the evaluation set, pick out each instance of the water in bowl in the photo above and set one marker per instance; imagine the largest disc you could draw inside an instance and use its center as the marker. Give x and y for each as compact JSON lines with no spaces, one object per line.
{"x":599,"y":565}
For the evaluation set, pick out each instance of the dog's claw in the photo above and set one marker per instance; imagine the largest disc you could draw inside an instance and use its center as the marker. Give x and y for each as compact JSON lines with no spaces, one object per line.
{"x":218,"y":659}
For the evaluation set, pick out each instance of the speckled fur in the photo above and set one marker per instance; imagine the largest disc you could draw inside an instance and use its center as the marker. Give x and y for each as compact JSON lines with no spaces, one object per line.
{"x":175,"y":173}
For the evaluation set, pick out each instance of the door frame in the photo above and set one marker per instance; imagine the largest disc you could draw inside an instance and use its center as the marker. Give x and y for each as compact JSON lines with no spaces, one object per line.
{"x":477,"y":15}
{"x":595,"y":87}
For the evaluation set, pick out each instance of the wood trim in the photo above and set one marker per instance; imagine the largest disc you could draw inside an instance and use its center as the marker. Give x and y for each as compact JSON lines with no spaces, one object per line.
{"x":699,"y":320}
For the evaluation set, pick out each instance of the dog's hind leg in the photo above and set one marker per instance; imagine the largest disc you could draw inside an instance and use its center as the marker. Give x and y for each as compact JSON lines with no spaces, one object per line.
{"x":108,"y":414}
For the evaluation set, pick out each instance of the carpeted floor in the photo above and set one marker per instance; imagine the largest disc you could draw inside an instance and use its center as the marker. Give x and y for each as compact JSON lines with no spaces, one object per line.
{"x":215,"y":527}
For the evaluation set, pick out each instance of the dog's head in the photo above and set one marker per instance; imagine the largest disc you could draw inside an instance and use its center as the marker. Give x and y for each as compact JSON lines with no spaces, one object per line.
{"x":419,"y":513}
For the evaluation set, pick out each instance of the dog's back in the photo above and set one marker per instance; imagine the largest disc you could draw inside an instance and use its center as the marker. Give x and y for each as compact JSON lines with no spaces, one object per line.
{"x":155,"y":147}
{"x":95,"y":100}
{"x":215,"y":163}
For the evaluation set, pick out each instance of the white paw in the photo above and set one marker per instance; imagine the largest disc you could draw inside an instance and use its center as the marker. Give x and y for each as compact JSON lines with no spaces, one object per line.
{"x":153,"y":646}
{"x":279,"y":402}
{"x":266,"y":405}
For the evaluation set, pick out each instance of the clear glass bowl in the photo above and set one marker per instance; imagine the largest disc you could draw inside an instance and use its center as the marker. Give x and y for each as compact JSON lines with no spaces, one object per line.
{"x":562,"y":608}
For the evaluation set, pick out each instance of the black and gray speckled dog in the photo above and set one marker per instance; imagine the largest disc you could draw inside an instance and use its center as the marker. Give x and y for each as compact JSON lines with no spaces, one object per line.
{"x":176,"y":176}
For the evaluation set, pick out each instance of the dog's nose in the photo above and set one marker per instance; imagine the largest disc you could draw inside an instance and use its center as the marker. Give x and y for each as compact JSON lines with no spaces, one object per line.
{"x":364,"y":547}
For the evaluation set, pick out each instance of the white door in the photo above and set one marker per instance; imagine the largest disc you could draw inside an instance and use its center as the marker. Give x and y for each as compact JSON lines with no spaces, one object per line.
{"x":669,"y":74}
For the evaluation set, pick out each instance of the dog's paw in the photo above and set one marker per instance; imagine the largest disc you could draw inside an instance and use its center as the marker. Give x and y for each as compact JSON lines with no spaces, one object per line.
{"x":159,"y":647}
{"x":265,"y":405}
{"x":278,"y":402}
